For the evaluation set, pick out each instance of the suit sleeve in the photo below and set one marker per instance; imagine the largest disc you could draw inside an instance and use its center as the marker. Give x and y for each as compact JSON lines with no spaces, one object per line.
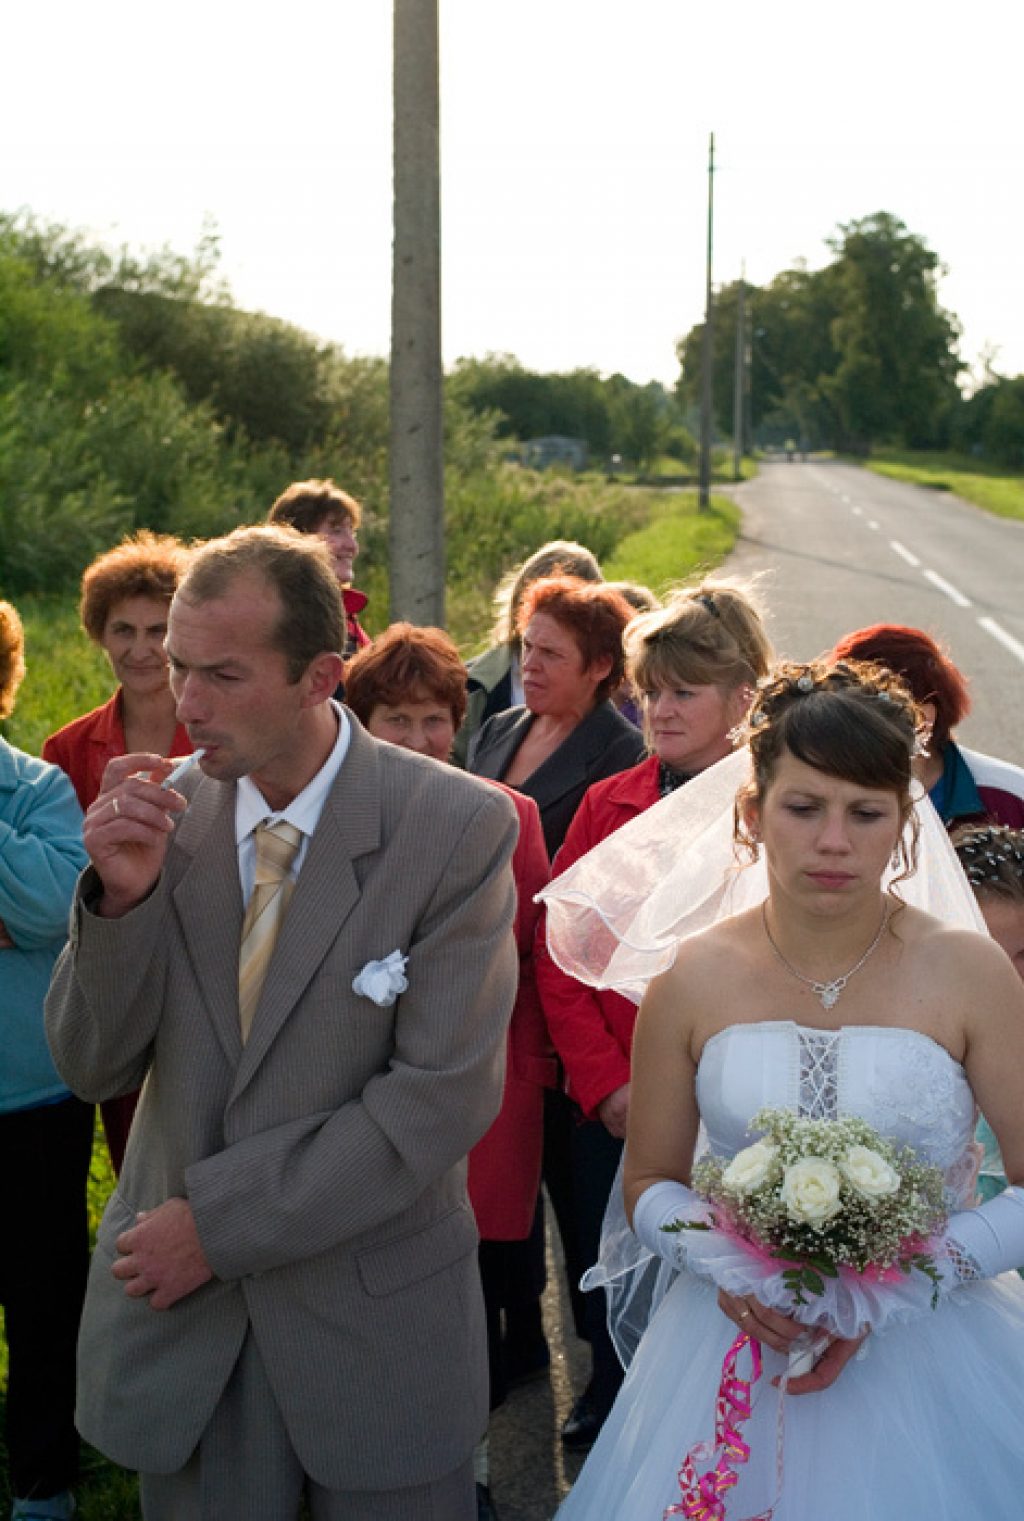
{"x":301,"y":1188}
{"x":586,"y":1026}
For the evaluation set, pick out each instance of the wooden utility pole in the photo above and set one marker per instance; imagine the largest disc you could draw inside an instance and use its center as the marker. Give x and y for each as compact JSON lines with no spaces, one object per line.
{"x":704,"y":483}
{"x":417,"y":571}
{"x":739,"y":375}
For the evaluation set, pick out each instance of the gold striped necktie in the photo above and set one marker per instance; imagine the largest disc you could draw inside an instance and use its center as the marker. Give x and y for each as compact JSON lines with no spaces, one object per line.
{"x":276,"y":848}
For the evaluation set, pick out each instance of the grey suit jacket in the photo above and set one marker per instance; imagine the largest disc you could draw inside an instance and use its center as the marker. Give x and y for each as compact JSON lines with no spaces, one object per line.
{"x":324,"y":1161}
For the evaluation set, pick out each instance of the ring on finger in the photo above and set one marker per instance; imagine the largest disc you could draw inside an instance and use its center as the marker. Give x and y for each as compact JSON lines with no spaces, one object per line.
{"x":114,"y":804}
{"x":744,"y":1313}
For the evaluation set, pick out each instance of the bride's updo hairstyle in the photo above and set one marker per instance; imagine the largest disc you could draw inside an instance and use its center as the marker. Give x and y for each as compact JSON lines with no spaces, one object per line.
{"x":706,"y":635}
{"x":851,"y":720}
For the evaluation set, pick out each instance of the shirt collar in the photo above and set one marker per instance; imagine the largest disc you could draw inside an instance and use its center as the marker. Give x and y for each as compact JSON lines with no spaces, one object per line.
{"x":304,"y":810}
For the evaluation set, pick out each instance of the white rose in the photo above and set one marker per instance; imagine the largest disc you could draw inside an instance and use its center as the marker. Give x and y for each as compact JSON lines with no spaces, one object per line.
{"x":810,"y":1191}
{"x":869,"y":1173}
{"x":749,"y":1168}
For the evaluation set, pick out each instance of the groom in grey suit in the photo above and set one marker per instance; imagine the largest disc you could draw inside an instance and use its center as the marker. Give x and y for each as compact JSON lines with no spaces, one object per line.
{"x":284,"y":1297}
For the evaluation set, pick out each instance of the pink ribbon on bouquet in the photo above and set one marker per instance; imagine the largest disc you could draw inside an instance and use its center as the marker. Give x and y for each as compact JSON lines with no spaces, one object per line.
{"x":703,"y":1496}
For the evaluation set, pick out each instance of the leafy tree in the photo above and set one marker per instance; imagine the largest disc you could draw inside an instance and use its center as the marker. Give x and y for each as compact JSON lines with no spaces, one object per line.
{"x":897,"y":370}
{"x":851,"y":354}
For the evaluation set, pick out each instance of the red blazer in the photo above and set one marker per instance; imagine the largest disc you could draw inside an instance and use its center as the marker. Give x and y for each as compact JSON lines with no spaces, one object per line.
{"x":592,"y":1031}
{"x":504,"y":1167}
{"x":83,"y":747}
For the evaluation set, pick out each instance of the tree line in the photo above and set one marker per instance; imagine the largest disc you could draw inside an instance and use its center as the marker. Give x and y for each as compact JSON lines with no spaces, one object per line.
{"x":135,"y":394}
{"x":856,"y":354}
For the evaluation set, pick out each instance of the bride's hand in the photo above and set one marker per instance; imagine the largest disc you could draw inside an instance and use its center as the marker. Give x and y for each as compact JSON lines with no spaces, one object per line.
{"x":763,"y":1324}
{"x":780,"y":1332}
{"x":828,"y":1367}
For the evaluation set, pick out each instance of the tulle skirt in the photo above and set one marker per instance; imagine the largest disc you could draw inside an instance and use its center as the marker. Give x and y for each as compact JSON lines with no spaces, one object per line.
{"x":927,"y":1424}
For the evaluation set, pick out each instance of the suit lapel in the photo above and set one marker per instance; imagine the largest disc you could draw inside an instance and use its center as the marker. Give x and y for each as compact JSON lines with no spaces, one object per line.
{"x":325,"y":894}
{"x":208,"y":901}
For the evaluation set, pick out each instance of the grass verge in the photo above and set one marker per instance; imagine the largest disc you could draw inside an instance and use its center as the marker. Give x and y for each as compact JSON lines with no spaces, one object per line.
{"x":986,"y":486}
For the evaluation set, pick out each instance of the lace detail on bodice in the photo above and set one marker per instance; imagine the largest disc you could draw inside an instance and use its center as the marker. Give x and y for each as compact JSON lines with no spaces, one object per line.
{"x":819,"y":1074}
{"x":899,"y":1080}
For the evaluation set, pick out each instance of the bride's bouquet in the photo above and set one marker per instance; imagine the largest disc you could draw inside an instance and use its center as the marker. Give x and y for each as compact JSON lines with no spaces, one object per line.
{"x":824,"y":1220}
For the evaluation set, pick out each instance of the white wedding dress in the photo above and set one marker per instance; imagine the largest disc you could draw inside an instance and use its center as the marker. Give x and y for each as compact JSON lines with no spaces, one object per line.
{"x":927,"y":1422}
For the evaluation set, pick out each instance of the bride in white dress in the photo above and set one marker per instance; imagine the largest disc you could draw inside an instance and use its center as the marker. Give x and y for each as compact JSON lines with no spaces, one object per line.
{"x":832,"y":997}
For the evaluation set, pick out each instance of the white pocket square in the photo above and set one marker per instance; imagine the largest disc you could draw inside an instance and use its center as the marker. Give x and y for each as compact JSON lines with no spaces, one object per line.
{"x":382,"y":981}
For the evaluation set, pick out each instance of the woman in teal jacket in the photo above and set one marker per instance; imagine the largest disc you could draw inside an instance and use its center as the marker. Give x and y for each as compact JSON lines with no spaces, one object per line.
{"x":45,"y":1133}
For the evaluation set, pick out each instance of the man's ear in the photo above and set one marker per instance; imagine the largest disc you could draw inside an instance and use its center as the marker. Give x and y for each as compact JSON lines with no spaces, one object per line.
{"x":322,"y":676}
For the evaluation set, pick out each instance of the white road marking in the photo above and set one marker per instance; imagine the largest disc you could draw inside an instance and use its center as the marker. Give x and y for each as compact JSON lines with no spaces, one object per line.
{"x":945,"y":586}
{"x":904,"y":553}
{"x":1007,"y":640}
{"x":858,"y":512}
{"x":873,"y":523}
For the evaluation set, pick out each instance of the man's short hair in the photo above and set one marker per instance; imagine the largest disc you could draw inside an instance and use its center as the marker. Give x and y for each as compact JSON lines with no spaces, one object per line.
{"x":305,"y":506}
{"x":143,"y":565}
{"x":297,"y":566}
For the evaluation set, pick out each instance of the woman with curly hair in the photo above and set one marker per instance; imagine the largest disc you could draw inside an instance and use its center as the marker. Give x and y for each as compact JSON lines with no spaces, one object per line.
{"x":126,"y":595}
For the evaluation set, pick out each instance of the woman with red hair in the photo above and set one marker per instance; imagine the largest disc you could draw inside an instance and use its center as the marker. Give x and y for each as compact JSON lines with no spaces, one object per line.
{"x":965,"y":785}
{"x":568,"y":734}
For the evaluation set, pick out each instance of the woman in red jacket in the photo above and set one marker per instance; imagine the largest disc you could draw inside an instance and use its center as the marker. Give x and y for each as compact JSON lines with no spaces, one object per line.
{"x":126,"y":594}
{"x":695,"y":663}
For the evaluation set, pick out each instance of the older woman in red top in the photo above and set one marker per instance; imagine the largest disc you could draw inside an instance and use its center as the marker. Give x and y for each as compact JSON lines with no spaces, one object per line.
{"x":409,"y":688}
{"x":126,"y":593}
{"x":695,"y":664}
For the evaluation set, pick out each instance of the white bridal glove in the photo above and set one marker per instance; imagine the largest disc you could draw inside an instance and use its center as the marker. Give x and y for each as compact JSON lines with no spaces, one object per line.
{"x":660,"y":1205}
{"x":989,"y":1240}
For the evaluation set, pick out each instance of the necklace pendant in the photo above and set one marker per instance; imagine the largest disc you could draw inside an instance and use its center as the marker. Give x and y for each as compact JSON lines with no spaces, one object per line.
{"x":829,"y":992}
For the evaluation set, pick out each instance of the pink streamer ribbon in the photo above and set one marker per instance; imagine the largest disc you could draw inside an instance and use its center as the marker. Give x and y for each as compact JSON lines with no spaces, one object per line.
{"x":703,"y":1496}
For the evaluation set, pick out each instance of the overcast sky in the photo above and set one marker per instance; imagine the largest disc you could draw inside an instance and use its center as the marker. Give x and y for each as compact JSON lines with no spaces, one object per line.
{"x":574,"y":155}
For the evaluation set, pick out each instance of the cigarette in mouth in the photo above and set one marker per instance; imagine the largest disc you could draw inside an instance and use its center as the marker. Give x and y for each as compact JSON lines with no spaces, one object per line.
{"x":183,"y":767}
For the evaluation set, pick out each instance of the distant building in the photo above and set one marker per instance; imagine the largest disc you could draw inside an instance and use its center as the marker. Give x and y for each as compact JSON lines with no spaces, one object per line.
{"x":540,"y":453}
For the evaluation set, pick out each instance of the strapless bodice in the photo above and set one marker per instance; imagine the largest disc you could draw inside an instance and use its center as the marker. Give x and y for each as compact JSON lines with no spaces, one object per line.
{"x":900,"y":1081}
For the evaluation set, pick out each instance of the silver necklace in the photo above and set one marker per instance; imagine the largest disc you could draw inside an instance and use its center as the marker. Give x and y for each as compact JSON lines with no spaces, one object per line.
{"x":828,"y":992}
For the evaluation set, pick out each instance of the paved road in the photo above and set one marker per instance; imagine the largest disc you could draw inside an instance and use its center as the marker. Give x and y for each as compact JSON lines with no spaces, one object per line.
{"x":841,"y":547}
{"x":838,"y":548}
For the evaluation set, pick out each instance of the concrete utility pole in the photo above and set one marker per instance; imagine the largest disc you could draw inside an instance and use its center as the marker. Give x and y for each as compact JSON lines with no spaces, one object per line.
{"x":704,"y":481}
{"x":417,"y":435}
{"x":739,"y":375}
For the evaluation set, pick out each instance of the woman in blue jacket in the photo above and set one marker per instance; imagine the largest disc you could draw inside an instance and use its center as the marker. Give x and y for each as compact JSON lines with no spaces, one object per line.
{"x":45,"y":1133}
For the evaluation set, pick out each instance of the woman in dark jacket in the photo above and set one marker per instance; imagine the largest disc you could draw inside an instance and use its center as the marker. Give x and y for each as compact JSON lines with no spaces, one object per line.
{"x":568,"y":734}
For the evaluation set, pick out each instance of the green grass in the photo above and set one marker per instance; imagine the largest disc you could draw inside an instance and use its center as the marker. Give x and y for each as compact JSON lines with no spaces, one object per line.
{"x":677,"y":543}
{"x":998,"y":491}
